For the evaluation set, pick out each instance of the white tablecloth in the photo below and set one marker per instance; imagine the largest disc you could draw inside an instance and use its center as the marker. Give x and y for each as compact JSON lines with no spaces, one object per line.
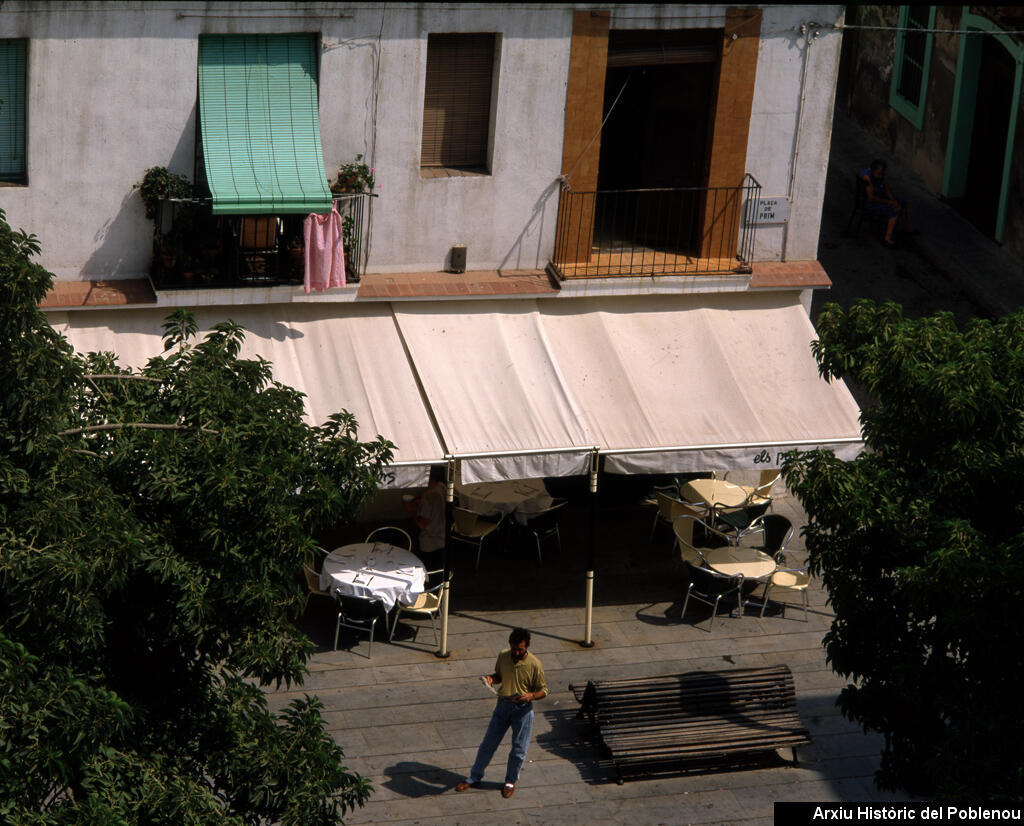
{"x":519,"y":496}
{"x":376,"y":570}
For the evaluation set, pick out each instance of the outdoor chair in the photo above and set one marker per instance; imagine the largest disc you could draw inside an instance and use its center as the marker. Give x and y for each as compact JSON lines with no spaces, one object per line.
{"x":359,"y":614}
{"x":671,"y":508}
{"x":710,"y":587}
{"x":788,"y":579}
{"x":738,"y":519}
{"x":472,"y":528}
{"x":761,"y":492}
{"x":392,"y":536}
{"x":544,"y":525}
{"x":776,"y":532}
{"x":313,"y":583}
{"x":685,"y":528}
{"x":258,"y":241}
{"x":428,"y":603}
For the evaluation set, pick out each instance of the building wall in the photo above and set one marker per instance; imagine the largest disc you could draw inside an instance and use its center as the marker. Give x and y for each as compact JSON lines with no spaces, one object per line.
{"x":870,"y":57}
{"x":112,"y":91}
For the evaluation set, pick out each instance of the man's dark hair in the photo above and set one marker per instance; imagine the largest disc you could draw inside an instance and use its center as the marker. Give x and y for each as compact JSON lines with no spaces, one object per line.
{"x":519,"y":635}
{"x":878,"y":164}
{"x":438,"y":473}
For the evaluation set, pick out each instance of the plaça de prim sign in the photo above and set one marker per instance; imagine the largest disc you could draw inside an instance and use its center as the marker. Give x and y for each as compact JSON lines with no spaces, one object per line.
{"x":768,"y":211}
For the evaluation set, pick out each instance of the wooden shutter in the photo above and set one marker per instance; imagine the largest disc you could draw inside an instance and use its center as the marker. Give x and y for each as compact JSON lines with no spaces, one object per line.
{"x":457,"y":100}
{"x":12,"y":113}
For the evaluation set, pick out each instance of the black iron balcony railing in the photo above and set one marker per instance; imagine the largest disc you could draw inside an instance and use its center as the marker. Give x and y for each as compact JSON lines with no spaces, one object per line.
{"x":660,"y":231}
{"x":192,"y":247}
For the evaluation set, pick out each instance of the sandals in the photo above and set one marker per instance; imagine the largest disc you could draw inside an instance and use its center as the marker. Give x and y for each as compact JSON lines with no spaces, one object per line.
{"x":508,"y":790}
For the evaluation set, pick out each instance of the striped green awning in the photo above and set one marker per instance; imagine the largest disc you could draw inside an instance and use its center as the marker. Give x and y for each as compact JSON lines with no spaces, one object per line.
{"x":260,"y":124}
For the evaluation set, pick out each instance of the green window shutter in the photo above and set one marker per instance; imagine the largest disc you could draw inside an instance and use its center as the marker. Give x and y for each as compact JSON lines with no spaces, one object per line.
{"x":13,"y":60}
{"x":912,"y":62}
{"x":259,"y":117}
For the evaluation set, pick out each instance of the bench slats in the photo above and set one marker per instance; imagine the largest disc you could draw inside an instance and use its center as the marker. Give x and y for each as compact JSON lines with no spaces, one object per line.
{"x":644,"y":720}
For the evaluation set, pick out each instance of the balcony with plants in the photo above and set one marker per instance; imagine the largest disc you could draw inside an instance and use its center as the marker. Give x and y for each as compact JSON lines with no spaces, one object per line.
{"x":194,"y":248}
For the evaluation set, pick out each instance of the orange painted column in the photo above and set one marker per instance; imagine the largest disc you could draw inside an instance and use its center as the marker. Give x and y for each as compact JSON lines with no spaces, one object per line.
{"x":734,"y":100}
{"x":581,"y":148}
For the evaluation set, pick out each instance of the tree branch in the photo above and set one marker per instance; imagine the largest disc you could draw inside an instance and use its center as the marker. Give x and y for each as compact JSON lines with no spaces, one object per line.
{"x":131,"y":376}
{"x":138,"y":425}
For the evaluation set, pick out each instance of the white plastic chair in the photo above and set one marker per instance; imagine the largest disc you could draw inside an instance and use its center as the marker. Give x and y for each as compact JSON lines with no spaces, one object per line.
{"x":428,"y":603}
{"x":387,"y":534}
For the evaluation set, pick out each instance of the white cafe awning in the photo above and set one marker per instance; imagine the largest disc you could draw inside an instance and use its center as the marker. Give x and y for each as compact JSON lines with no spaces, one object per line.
{"x":341,"y":356}
{"x":692,"y":383}
{"x":659,"y":384}
{"x":664,"y":383}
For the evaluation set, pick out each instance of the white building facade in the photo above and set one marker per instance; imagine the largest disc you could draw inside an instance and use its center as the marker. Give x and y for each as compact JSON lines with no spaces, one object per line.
{"x":610,"y":172}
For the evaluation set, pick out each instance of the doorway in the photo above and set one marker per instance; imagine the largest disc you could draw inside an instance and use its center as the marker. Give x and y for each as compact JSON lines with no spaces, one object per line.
{"x":658,"y":101}
{"x":976,"y":179}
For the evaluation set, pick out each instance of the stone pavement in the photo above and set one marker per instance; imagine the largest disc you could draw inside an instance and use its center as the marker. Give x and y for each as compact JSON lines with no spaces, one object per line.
{"x":950,"y":266}
{"x":411,"y":722}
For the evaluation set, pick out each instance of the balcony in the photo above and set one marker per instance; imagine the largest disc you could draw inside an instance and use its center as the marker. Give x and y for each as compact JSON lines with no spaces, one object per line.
{"x":655,"y":232}
{"x":193,"y":248}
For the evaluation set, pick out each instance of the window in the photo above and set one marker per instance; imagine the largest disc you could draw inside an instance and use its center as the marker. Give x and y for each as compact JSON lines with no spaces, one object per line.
{"x":12,"y":111}
{"x":457,"y":101}
{"x":912,"y":60}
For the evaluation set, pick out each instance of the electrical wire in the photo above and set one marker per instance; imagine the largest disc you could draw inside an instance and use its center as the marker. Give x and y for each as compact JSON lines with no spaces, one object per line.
{"x":611,"y":109}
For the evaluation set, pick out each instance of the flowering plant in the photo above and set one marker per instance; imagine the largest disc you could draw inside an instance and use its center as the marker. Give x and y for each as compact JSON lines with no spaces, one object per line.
{"x":354,"y":177}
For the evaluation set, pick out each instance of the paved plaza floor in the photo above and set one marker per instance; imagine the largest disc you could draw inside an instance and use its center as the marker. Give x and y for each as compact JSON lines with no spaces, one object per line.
{"x":411,"y":722}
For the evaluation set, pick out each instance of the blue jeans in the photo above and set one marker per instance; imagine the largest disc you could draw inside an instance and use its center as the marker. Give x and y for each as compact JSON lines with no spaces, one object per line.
{"x":506,"y":715}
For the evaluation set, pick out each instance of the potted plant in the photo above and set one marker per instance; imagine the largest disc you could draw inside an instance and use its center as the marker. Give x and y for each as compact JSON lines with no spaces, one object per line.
{"x":159,"y":183}
{"x":354,"y":177}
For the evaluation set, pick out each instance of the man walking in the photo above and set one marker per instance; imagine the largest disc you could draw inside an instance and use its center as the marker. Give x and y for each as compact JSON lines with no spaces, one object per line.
{"x":520,"y":678}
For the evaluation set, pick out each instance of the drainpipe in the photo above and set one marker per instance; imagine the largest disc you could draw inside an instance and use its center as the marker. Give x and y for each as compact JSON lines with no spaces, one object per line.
{"x":809,"y":32}
{"x":449,"y":498}
{"x":588,"y":621}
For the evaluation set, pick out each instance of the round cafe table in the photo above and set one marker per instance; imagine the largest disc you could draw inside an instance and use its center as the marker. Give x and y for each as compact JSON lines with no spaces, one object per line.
{"x":732,"y":560}
{"x":519,"y":496}
{"x":374,"y":570}
{"x":715,"y":493}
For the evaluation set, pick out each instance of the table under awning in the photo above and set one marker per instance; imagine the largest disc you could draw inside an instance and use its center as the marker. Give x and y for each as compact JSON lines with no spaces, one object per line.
{"x":260,"y":127}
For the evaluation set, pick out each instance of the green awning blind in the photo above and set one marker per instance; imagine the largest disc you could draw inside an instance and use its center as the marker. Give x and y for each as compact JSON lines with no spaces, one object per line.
{"x":258,"y":113}
{"x":12,"y":110}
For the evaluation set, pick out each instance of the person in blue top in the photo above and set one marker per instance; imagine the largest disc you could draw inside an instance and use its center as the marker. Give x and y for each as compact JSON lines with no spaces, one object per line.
{"x":880,"y":200}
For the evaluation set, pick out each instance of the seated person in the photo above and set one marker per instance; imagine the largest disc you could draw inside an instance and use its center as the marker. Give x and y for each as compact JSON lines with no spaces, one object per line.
{"x":880,"y":200}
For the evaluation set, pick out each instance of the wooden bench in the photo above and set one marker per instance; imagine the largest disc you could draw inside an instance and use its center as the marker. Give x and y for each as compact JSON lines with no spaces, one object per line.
{"x":699,"y":715}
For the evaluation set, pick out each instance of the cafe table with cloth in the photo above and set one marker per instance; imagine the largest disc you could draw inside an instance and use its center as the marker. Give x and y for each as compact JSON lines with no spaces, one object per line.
{"x":519,"y":496}
{"x":374,"y":570}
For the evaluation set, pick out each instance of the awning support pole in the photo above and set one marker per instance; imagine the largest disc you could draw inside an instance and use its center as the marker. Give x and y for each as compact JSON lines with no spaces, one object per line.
{"x":449,"y":498}
{"x":588,"y":641}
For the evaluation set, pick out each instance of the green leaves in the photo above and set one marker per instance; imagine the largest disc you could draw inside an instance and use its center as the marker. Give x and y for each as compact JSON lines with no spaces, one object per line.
{"x":151,"y":528}
{"x":919,"y":543}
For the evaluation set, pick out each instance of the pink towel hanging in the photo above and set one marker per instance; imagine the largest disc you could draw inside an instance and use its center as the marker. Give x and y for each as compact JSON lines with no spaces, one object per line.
{"x":325,"y":253}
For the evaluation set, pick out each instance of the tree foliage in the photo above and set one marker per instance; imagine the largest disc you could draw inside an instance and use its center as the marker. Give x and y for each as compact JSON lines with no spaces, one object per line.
{"x":920,"y":544}
{"x":151,"y":527}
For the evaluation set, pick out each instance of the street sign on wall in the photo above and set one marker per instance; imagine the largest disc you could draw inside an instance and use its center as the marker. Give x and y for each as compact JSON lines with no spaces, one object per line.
{"x":768,"y":211}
